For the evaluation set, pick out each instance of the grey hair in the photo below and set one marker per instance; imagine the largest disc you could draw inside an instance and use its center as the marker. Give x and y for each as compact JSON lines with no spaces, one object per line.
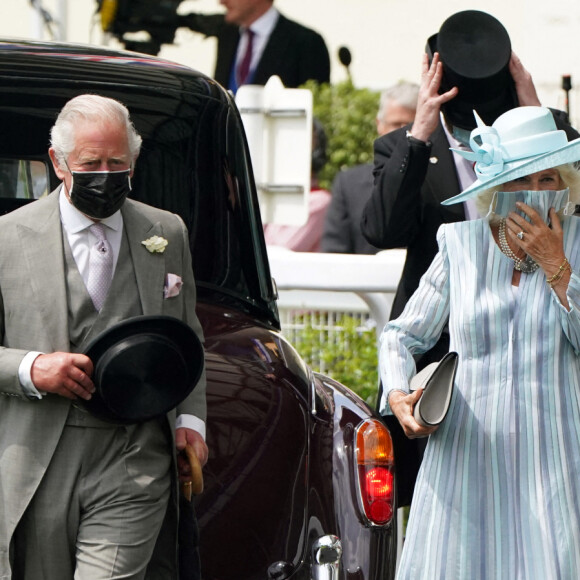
{"x":403,"y":93}
{"x":94,"y":108}
{"x":568,"y":172}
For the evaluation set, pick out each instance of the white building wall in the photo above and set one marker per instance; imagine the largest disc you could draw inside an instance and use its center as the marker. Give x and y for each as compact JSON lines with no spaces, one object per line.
{"x":386,"y":37}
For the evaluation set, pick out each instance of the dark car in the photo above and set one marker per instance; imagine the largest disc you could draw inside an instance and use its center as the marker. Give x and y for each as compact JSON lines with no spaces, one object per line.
{"x":300,"y":478}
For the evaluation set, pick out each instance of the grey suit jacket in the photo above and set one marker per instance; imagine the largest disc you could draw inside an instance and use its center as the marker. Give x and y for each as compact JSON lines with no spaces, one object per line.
{"x":342,"y":234}
{"x":33,"y":316}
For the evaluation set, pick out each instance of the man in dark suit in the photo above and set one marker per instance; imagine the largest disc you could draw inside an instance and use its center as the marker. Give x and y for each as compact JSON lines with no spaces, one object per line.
{"x":278,"y":46}
{"x":414,"y":169}
{"x":352,"y":187}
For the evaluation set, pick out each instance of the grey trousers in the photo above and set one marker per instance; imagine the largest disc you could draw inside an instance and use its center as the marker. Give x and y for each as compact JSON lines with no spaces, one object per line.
{"x":99,"y":508}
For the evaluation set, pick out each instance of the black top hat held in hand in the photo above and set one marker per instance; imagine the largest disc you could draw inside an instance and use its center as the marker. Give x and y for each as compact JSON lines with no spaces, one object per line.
{"x":475,"y":50}
{"x":143,"y":367}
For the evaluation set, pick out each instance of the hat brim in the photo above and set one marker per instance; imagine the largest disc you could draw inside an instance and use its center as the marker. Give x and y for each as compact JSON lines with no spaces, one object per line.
{"x":459,"y":111}
{"x":143,"y":367}
{"x":567,"y":154}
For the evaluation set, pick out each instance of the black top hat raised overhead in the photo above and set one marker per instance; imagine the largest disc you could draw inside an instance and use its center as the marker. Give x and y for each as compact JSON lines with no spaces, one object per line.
{"x":143,"y":367}
{"x":475,"y":50}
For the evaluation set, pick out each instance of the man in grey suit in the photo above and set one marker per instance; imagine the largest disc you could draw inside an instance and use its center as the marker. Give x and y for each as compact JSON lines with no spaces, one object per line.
{"x":352,"y":187}
{"x":82,"y":497}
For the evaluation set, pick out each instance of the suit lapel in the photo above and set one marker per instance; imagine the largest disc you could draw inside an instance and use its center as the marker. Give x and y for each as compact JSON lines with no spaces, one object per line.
{"x":44,"y":257}
{"x":149,"y":267}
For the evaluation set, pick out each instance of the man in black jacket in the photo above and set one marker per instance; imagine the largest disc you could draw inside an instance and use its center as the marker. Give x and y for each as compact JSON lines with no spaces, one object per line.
{"x":277,"y":45}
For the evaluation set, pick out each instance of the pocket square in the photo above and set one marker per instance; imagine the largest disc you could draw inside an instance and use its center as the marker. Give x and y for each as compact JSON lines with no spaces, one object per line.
{"x":172,"y":286}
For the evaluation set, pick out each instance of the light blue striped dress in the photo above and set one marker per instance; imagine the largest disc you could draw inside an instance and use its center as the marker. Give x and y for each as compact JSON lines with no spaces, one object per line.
{"x":498,"y":493}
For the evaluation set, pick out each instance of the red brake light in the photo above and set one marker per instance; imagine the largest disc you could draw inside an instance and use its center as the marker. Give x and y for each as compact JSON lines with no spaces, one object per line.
{"x":374,"y":455}
{"x":379,"y":494}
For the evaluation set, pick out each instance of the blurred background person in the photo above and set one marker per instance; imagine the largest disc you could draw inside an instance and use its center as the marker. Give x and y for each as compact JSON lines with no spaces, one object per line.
{"x":468,"y":64}
{"x":352,"y":187}
{"x":255,"y":42}
{"x":306,"y":238}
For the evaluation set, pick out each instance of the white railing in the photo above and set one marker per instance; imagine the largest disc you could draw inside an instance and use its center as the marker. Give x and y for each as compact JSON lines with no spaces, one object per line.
{"x":347,"y":283}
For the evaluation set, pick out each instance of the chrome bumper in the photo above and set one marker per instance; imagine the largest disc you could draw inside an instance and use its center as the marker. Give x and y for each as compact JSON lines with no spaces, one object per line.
{"x":326,"y":555}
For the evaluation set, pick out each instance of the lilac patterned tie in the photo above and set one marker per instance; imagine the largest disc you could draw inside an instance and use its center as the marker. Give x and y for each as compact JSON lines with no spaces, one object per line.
{"x":100,"y":266}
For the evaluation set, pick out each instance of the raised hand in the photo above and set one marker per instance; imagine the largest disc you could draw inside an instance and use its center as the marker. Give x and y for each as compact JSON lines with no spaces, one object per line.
{"x":429,"y":101}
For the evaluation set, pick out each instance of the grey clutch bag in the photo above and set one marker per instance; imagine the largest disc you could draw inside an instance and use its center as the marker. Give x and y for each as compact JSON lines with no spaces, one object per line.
{"x":436,"y":380}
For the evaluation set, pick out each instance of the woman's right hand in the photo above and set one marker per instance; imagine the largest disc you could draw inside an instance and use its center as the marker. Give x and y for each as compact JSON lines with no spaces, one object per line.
{"x":402,"y":405}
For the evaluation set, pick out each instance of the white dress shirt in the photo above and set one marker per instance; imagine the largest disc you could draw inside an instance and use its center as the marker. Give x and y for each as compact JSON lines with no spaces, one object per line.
{"x":262,"y":28}
{"x":80,"y":239}
{"x":465,"y":173}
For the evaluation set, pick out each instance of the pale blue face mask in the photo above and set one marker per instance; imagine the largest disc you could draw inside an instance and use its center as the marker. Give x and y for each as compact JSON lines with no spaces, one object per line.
{"x":505,"y":201}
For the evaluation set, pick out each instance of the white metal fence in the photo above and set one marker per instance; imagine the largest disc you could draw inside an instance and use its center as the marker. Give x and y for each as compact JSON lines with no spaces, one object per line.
{"x":333,"y":284}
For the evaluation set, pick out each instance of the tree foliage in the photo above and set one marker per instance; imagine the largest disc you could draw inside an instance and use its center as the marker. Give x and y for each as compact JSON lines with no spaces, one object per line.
{"x":345,"y":350}
{"x":348,"y":115}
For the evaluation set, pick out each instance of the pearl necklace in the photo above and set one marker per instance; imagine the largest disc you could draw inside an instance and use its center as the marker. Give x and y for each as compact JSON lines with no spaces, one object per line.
{"x":526,"y":265}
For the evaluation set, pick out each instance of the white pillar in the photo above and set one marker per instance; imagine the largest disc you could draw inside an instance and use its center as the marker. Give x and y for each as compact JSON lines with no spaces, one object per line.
{"x":62,"y":20}
{"x":36,"y":25}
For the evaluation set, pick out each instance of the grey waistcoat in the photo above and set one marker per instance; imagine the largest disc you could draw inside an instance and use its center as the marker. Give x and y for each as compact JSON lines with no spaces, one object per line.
{"x":85,"y":323}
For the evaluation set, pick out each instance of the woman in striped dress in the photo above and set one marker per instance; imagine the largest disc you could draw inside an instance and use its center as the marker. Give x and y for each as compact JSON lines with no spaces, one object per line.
{"x":498,"y":493}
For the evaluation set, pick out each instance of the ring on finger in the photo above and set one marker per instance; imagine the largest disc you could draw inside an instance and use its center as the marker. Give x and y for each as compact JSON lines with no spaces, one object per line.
{"x":520,"y":235}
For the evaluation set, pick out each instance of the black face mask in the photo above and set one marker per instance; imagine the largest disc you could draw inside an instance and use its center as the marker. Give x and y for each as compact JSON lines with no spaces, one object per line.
{"x":99,"y":194}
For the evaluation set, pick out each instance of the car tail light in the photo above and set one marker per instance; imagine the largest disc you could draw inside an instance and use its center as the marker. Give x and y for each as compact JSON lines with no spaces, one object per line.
{"x":374,"y":458}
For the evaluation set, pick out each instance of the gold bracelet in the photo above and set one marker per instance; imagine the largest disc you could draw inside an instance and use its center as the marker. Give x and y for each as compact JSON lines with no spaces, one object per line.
{"x":560,"y":277}
{"x":553,"y":280}
{"x":556,"y":278}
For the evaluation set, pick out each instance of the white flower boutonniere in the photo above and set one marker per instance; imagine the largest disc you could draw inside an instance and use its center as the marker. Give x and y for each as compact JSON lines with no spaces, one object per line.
{"x":155,"y":244}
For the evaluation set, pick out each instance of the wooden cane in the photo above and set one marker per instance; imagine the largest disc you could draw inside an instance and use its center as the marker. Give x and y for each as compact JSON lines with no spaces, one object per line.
{"x":195,"y":486}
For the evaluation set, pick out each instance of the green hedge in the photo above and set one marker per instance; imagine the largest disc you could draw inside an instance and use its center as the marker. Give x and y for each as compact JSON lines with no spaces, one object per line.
{"x":347,"y":352}
{"x":348,"y":115}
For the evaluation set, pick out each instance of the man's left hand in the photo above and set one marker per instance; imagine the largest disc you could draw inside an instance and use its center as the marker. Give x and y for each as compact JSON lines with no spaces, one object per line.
{"x":525,"y":88}
{"x":184,"y":436}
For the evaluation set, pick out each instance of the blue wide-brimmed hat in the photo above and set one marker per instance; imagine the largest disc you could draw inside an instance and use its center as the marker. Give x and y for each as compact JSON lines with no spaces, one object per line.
{"x":520,"y":142}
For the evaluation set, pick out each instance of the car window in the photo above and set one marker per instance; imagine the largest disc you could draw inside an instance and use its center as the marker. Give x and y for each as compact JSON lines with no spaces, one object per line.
{"x":23,"y":178}
{"x":193,"y":162}
{"x":196,"y":164}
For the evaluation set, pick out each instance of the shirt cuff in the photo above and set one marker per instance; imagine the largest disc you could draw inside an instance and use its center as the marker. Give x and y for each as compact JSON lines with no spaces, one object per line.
{"x":417,"y":142}
{"x":25,"y":378}
{"x":191,"y":422}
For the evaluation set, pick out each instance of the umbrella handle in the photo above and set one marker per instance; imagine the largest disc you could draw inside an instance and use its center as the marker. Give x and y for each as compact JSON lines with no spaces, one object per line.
{"x":195,"y":486}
